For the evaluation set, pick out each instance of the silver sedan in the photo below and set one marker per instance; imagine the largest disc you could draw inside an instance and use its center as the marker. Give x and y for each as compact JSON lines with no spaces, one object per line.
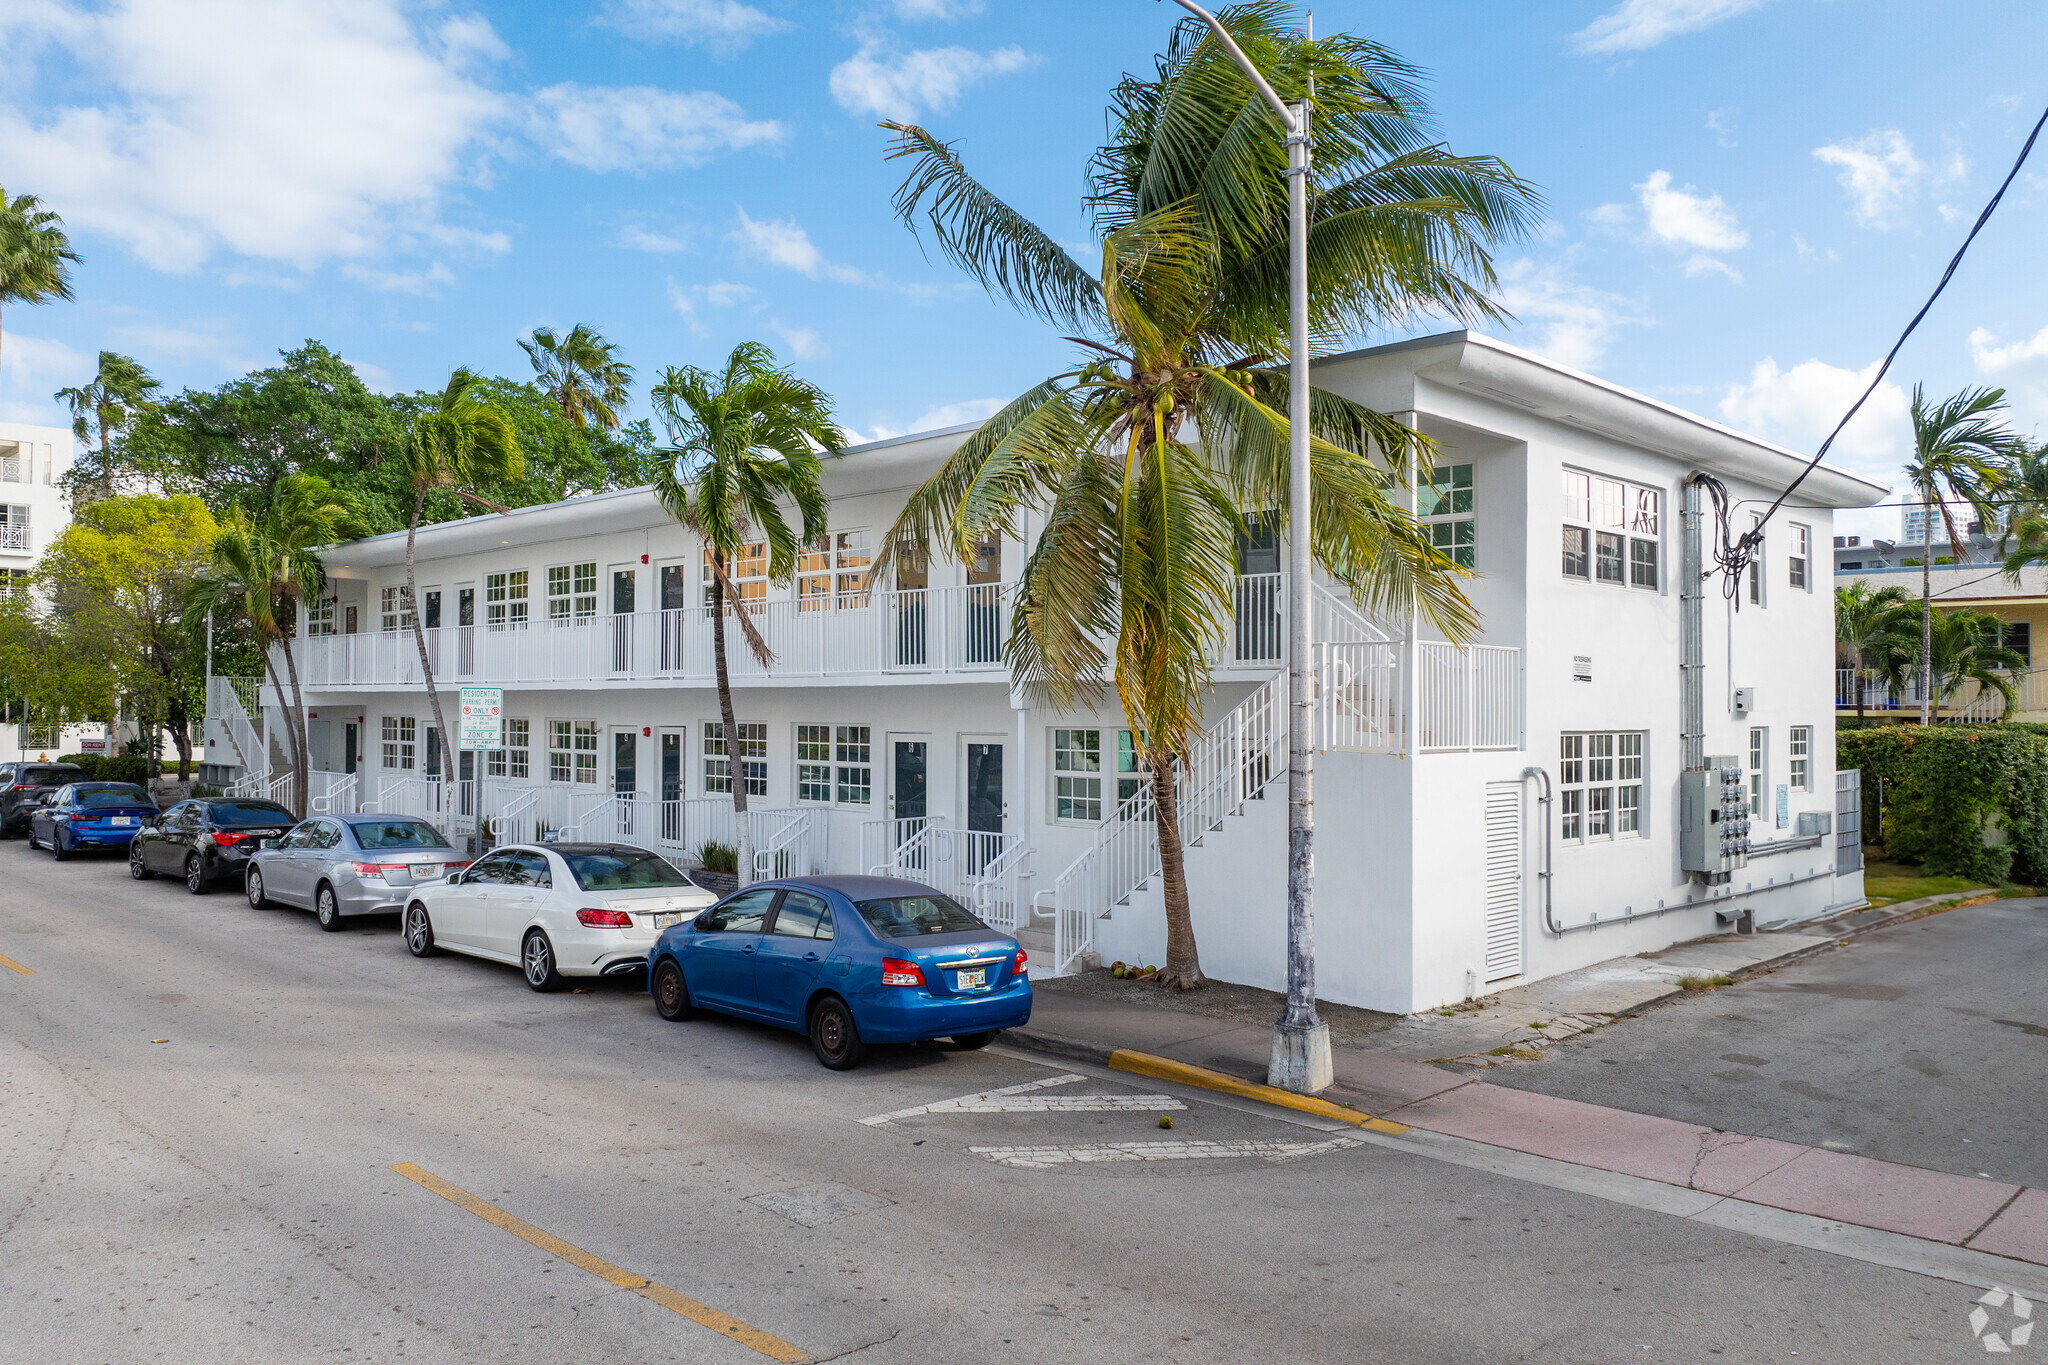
{"x":341,"y":865}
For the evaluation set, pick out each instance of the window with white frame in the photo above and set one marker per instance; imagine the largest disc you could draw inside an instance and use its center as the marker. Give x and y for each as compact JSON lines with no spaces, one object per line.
{"x":514,"y":757}
{"x":753,"y":742}
{"x":505,"y":600}
{"x":1756,"y":563}
{"x":320,"y":616}
{"x":833,"y":572}
{"x":1800,"y":556}
{"x":1078,"y":760}
{"x":1445,"y":506}
{"x":1759,"y":750}
{"x":572,"y":592}
{"x":400,"y":743}
{"x":1600,"y":786}
{"x":1799,"y":773}
{"x":748,"y":573}
{"x":13,"y":581}
{"x":572,"y":752}
{"x":13,"y":526}
{"x":835,"y":763}
{"x":396,"y":604}
{"x":1613,"y":531}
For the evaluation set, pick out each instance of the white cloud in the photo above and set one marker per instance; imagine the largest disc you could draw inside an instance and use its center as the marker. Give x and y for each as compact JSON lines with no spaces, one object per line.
{"x":375,"y":377}
{"x":725,"y":26}
{"x":935,"y":9}
{"x":1686,"y":218}
{"x":781,"y":241}
{"x":1721,"y":123}
{"x":684,"y":299}
{"x":415,"y":282}
{"x":639,"y":128}
{"x":1798,"y":407}
{"x":1634,"y":25}
{"x":39,"y":364}
{"x":1703,"y":264}
{"x":1992,"y":358}
{"x":899,"y":86}
{"x":288,"y":130}
{"x":937,"y":418}
{"x":638,"y":237}
{"x":1879,"y":172}
{"x":1569,"y":322}
{"x":804,"y":342}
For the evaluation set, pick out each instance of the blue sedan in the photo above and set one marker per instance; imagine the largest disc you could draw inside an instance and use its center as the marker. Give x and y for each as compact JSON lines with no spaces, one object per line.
{"x":849,"y":961}
{"x":85,"y":815}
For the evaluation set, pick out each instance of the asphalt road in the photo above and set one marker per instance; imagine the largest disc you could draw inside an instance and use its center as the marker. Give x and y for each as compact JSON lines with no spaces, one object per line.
{"x":1925,"y":1044}
{"x":227,"y":1194}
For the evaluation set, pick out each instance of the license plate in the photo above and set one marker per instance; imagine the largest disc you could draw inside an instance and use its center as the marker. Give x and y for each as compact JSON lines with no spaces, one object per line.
{"x":122,"y":820}
{"x":424,"y":872}
{"x":973,"y":980}
{"x":667,"y":918}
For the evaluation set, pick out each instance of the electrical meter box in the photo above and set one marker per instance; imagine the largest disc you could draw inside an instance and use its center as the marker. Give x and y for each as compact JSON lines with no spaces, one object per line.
{"x":1713,"y":818}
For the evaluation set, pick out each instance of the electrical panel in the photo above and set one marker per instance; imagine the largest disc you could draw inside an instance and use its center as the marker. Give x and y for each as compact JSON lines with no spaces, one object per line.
{"x":1713,"y":819}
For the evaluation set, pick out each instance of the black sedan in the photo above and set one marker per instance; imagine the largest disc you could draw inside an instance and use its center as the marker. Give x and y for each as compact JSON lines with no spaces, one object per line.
{"x":205,"y":840}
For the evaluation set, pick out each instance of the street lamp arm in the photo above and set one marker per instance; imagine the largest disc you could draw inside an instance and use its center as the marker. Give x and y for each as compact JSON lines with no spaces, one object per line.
{"x":1244,"y":64}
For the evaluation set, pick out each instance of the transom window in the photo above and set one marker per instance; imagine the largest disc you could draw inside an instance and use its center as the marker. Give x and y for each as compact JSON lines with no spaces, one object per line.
{"x":397,"y":608}
{"x":1600,"y":786}
{"x":833,"y":572}
{"x":1077,"y":765}
{"x":515,"y":753}
{"x":1444,"y":504}
{"x":572,"y":751}
{"x":835,"y":763}
{"x":400,"y":743}
{"x":572,"y":592}
{"x":1800,"y":771}
{"x":748,"y":571}
{"x":1612,"y":532}
{"x":505,"y":600}
{"x":753,"y":740}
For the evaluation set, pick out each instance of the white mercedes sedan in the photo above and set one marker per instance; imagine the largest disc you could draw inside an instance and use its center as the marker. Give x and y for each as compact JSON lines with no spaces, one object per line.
{"x":555,"y":910}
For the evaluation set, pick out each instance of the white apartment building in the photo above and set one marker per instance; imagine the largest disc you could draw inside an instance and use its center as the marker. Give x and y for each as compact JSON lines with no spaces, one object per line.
{"x":32,"y":513}
{"x":1486,"y":814}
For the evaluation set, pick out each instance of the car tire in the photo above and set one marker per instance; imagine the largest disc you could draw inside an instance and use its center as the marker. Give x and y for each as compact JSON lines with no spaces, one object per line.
{"x":327,"y":908}
{"x":195,"y":875}
{"x":419,"y":931}
{"x":252,"y":887}
{"x":137,"y":868}
{"x":33,"y":842}
{"x":671,"y":992}
{"x":537,"y":960}
{"x":57,"y":848}
{"x":969,"y":1042}
{"x":834,"y":1036}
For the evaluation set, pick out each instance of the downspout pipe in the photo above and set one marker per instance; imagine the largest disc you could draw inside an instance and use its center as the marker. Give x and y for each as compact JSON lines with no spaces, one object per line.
{"x":1692,"y":663}
{"x":1549,"y":919}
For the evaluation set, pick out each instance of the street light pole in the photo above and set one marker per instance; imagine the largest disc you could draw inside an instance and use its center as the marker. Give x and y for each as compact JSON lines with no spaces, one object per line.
{"x":1300,"y":1056}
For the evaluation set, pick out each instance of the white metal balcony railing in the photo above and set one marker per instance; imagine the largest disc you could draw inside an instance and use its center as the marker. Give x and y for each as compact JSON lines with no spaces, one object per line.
{"x":14,"y":536}
{"x":1971,"y":701}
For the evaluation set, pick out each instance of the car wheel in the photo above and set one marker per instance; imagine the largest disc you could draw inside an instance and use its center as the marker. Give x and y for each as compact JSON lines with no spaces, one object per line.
{"x":419,"y":931}
{"x":195,"y":875}
{"x":327,"y":909}
{"x":136,"y":867}
{"x":538,"y":958}
{"x":672,"y":993}
{"x":968,"y":1042}
{"x":258,"y":898}
{"x":33,"y":842}
{"x":833,"y":1035}
{"x":57,"y":847}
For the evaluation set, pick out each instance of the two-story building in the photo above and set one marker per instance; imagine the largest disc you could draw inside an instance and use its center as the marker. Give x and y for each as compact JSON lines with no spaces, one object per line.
{"x":32,"y":513}
{"x":1487,"y":813}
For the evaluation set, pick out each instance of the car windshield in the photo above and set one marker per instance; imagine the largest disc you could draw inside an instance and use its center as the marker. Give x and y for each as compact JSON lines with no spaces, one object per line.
{"x":398,"y":834}
{"x":622,"y":869}
{"x":913,"y":916}
{"x":250,"y":813}
{"x":100,"y":797}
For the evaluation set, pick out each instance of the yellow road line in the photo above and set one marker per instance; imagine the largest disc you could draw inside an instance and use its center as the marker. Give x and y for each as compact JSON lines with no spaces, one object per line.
{"x":703,"y":1314}
{"x":12,"y":965}
{"x":1166,"y":1069}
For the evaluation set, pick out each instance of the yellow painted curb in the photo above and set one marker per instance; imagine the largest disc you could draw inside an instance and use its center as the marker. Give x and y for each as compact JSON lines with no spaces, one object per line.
{"x":1166,"y":1069}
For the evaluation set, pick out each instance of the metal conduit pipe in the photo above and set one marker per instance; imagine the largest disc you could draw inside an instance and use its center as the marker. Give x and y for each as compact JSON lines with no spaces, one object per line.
{"x":1630,"y":914}
{"x":1549,"y":921}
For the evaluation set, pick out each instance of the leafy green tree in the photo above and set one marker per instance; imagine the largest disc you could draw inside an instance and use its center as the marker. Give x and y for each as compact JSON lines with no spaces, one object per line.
{"x":1872,"y":634}
{"x":745,"y":442}
{"x":581,"y":374}
{"x":103,"y":409}
{"x":459,"y":442}
{"x":35,"y":254}
{"x":1961,"y":453}
{"x":1968,"y":645}
{"x":1172,"y":424}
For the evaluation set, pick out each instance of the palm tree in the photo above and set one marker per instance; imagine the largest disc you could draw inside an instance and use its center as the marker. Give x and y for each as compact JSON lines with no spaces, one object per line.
{"x":581,"y":374}
{"x":745,"y":442}
{"x":1870,"y":628}
{"x":108,"y":404}
{"x":1967,"y":646}
{"x":1961,"y":453}
{"x":35,"y":255}
{"x":1146,"y":454}
{"x":461,"y":441}
{"x":2023,"y":492}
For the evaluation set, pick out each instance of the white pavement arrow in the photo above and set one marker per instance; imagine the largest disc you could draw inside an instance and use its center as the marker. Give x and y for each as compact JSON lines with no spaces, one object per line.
{"x":1016,"y":1099}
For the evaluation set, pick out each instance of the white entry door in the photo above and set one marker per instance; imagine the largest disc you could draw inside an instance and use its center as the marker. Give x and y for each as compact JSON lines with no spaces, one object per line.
{"x":1503,"y":880}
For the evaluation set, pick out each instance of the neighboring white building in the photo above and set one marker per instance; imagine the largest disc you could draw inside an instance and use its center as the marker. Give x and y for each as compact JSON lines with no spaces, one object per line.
{"x":32,"y":513}
{"x":1485,"y":815}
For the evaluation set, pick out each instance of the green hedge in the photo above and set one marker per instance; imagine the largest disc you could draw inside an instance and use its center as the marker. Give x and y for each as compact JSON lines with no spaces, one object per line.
{"x":121,"y":768}
{"x":1945,"y":787}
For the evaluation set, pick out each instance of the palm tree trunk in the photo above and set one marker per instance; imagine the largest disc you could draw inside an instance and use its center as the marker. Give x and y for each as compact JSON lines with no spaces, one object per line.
{"x":295,"y":721}
{"x":743,"y":833}
{"x":1183,"y":971}
{"x":419,"y":631}
{"x":1926,"y":609}
{"x":291,"y":736}
{"x":1856,"y":681}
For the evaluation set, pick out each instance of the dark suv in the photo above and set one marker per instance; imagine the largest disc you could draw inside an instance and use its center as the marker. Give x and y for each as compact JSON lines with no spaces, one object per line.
{"x":21,"y":790}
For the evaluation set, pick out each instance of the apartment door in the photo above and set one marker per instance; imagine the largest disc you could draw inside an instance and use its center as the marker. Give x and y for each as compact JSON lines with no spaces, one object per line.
{"x":430,"y":620}
{"x":909,"y":789}
{"x":673,"y":585}
{"x":433,"y":768}
{"x":465,"y":630}
{"x":349,"y":741}
{"x":626,"y":777}
{"x":984,"y":624}
{"x":983,"y":792}
{"x":672,"y":787}
{"x":625,"y":599}
{"x":913,"y":598}
{"x":1503,"y":907}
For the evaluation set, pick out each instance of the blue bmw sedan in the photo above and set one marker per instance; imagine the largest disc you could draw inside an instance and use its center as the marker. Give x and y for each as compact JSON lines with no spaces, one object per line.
{"x":89,"y":815}
{"x":849,"y":961}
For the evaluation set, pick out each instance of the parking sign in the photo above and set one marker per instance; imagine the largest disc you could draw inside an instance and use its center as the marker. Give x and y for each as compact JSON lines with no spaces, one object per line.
{"x":481,"y":726}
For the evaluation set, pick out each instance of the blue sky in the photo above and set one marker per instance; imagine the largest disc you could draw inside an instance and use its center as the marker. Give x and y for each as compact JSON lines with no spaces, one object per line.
{"x":1747,"y":197}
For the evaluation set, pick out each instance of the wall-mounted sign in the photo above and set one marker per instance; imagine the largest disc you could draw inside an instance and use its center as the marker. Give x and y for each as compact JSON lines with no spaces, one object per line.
{"x":1582,"y":668}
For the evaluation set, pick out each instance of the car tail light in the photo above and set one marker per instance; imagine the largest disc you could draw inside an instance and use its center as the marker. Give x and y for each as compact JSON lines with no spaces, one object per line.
{"x":371,"y":869}
{"x":897,"y":972}
{"x":1023,"y":962}
{"x":457,"y":867}
{"x":604,"y":919}
{"x":228,"y":840}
